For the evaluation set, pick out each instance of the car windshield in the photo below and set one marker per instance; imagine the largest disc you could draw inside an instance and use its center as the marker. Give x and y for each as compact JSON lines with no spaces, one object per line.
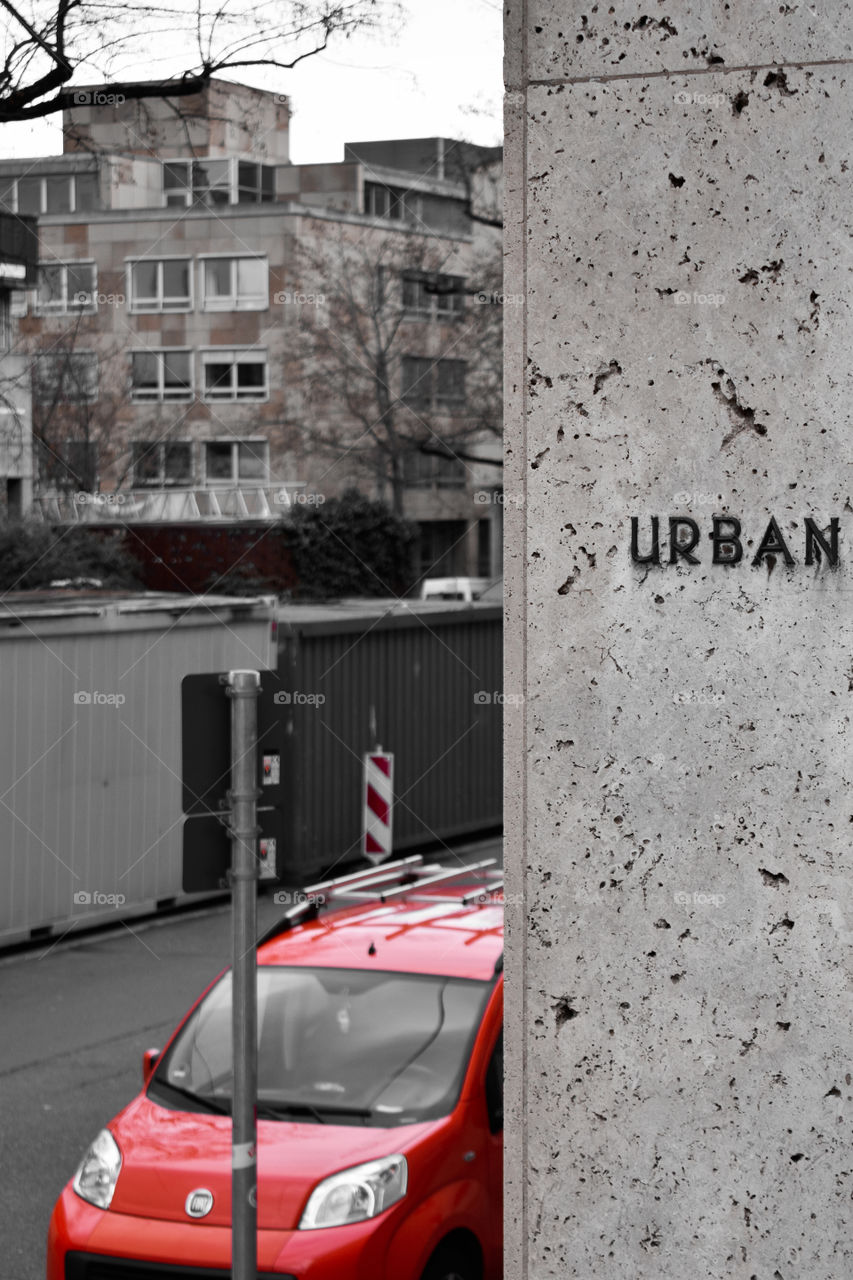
{"x":335,"y":1046}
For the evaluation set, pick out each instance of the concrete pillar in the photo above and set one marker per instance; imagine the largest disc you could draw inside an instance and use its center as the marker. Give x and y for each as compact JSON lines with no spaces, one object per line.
{"x":680,"y":810}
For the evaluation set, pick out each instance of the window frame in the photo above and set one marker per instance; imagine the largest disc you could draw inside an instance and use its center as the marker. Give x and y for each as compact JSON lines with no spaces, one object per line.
{"x":232,"y":302}
{"x":135,"y":307}
{"x":160,"y":446}
{"x":234,"y":480}
{"x":63,"y":308}
{"x":5,"y":320}
{"x":406,"y":199}
{"x":432,"y":401}
{"x":194,"y":197}
{"x":208,"y":355}
{"x":42,"y":178}
{"x":429,"y":304}
{"x":86,"y":353}
{"x":431,"y":477}
{"x":161,"y":397}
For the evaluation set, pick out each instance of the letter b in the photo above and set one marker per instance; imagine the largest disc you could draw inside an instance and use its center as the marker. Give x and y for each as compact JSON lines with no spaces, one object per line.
{"x":727,"y":544}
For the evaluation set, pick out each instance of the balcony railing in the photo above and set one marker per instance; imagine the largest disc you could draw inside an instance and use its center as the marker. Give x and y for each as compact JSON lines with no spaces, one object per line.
{"x":152,"y":506}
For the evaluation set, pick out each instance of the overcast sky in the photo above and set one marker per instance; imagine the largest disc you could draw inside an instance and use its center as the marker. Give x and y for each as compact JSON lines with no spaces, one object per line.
{"x":441,"y":74}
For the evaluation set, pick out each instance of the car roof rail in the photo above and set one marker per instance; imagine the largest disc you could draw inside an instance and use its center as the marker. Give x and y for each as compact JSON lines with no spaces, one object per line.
{"x":435,"y":875}
{"x":402,"y":878}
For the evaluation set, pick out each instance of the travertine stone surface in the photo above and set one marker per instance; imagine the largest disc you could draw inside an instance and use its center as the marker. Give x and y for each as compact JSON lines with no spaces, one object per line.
{"x":680,"y":809}
{"x":576,"y":39}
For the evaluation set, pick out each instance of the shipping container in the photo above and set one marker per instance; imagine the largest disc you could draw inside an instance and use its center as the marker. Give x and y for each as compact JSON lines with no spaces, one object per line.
{"x":90,"y":751}
{"x":423,"y":681}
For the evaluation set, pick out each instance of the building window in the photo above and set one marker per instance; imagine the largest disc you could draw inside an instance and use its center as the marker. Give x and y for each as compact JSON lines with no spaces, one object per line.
{"x":50,"y":193}
{"x":433,"y":471}
{"x":433,"y":385}
{"x":161,"y":375}
{"x":234,"y":374}
{"x":255,"y":182}
{"x":236,"y":461}
{"x":214,"y":182}
{"x":69,"y":377}
{"x":66,"y":286}
{"x":234,"y":284}
{"x":162,"y":462}
{"x":68,"y":464}
{"x":394,"y":203}
{"x":484,"y":548}
{"x":160,"y":284}
{"x":433,"y":296}
{"x":440,"y":549}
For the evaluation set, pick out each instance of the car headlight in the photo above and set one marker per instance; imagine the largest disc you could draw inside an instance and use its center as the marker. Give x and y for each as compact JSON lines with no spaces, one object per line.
{"x":356,"y":1194}
{"x":96,"y":1178}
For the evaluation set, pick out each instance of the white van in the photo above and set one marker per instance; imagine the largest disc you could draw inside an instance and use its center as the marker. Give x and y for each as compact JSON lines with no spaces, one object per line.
{"x":453,"y":588}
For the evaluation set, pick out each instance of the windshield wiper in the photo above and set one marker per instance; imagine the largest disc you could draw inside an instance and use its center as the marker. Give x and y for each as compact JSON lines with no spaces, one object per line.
{"x":271,"y":1110}
{"x":275,"y":1110}
{"x":205,"y":1101}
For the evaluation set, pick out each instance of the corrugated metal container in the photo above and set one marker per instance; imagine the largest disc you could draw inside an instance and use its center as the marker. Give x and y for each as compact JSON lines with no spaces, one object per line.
{"x":90,"y":752}
{"x":422,"y":680}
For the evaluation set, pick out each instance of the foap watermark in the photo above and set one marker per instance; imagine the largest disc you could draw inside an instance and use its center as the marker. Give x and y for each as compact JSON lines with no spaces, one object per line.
{"x":95,"y":898}
{"x":94,"y":698}
{"x":701,"y":99}
{"x":298,"y":499}
{"x":99,"y":499}
{"x":298,"y":699}
{"x":497,"y":496}
{"x":483,"y":698}
{"x":84,"y":299}
{"x":288,"y":299}
{"x":485,"y":299}
{"x":693,"y":498}
{"x":684,"y":299}
{"x":698,"y":899}
{"x":97,"y":98}
{"x":298,"y":897}
{"x":696,"y":698}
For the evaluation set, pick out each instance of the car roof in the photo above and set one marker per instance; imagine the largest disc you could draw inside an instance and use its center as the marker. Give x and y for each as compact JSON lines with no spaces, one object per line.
{"x":443,"y":936}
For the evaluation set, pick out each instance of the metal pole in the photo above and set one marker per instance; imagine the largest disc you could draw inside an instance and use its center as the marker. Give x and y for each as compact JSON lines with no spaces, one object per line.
{"x":243,"y":689}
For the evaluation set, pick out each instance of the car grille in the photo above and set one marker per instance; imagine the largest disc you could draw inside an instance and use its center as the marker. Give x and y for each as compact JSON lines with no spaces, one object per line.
{"x":95,"y":1266}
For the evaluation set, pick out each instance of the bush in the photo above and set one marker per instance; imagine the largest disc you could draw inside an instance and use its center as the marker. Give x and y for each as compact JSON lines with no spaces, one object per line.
{"x":32,"y":555}
{"x":351,"y":546}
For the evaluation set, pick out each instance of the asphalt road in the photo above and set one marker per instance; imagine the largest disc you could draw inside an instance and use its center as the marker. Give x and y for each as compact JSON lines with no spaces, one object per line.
{"x":76,"y":1018}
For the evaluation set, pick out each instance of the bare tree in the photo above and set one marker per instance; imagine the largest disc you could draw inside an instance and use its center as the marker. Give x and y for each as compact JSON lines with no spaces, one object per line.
{"x":397,"y":354}
{"x":46,"y":42}
{"x":80,"y":404}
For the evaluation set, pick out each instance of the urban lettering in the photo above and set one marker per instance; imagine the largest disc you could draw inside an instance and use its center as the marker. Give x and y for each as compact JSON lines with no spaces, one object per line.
{"x":821,"y":545}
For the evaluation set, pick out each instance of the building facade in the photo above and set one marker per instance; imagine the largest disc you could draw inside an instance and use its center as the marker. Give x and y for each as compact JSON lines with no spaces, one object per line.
{"x":18,"y":273}
{"x":217,"y":333}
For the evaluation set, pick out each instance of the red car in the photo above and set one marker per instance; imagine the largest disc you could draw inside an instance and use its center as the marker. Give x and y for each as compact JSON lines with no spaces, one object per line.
{"x":380,"y":1102}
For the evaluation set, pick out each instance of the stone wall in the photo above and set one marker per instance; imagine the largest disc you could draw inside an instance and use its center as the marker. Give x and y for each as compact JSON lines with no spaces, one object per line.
{"x":679,"y":774}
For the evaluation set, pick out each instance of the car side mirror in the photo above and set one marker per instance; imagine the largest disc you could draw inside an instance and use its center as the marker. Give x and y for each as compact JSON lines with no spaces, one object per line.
{"x":150,"y":1058}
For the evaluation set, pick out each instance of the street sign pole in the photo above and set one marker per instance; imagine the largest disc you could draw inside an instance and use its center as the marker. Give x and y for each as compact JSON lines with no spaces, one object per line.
{"x":243,"y":689}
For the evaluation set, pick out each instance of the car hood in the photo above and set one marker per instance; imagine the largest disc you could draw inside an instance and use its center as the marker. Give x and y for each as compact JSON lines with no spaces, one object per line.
{"x":167,"y":1154}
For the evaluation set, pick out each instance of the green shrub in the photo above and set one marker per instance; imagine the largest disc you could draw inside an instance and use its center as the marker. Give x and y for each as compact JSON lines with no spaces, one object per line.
{"x":32,"y":555}
{"x":351,"y":546}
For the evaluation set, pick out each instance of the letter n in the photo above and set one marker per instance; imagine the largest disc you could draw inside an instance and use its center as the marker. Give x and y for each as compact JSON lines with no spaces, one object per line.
{"x":815,"y":541}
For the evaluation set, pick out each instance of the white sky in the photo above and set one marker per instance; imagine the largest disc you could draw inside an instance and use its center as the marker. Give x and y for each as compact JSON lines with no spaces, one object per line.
{"x":441,"y":74}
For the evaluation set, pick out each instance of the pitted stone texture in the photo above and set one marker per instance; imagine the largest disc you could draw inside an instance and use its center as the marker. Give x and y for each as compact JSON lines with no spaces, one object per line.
{"x":573,"y":39}
{"x":689,"y":905}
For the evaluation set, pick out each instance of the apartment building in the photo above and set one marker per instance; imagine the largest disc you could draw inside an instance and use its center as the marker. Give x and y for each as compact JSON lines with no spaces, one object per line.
{"x":18,"y":273}
{"x":217,"y":333}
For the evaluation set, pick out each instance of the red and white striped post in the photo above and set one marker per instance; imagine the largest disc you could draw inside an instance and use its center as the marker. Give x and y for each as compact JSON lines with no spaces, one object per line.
{"x":378,"y":804}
